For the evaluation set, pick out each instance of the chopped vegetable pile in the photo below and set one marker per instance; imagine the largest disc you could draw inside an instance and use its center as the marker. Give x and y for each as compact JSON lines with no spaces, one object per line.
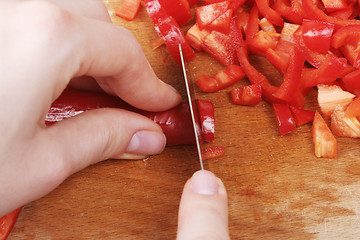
{"x":312,"y":43}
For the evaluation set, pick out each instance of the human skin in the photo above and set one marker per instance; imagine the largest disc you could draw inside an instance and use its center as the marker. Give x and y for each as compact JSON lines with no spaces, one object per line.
{"x":46,"y":46}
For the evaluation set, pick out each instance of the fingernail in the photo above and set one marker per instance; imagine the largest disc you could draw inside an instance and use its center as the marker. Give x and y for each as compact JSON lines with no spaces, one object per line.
{"x":146,"y":143}
{"x":205,"y":183}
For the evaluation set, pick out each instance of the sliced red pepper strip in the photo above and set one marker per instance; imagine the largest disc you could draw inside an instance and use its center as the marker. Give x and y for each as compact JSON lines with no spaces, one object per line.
{"x":285,"y":120}
{"x":206,"y":14}
{"x":269,"y":13}
{"x":302,"y":116}
{"x":222,"y":79}
{"x":207,"y":120}
{"x":128,"y":9}
{"x":248,"y":96}
{"x":293,"y":13}
{"x":352,"y":80}
{"x":255,"y":77}
{"x":334,"y":5}
{"x":313,"y":12}
{"x":213,"y":152}
{"x":176,"y":123}
{"x":7,"y":223}
{"x":325,"y":143}
{"x":292,"y":78}
{"x":222,"y":23}
{"x":178,"y":9}
{"x":168,"y":29}
{"x":252,"y":27}
{"x":317,"y":35}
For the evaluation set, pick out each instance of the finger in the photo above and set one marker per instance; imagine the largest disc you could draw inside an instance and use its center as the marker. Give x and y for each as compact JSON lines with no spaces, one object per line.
{"x":113,"y":56}
{"x":87,"y":8}
{"x":203,"y":212}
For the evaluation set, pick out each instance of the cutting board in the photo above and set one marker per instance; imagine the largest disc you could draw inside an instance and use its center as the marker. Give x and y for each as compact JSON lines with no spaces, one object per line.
{"x":277,"y":188}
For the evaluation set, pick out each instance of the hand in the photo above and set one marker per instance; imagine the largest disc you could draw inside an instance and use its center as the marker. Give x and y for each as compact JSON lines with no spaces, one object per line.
{"x":43,"y":45}
{"x":203,"y":212}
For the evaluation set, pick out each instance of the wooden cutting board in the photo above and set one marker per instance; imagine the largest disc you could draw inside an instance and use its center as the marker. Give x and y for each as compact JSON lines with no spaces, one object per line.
{"x":277,"y":188}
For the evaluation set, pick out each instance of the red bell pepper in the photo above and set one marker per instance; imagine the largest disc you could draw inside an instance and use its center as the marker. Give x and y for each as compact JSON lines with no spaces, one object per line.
{"x":334,"y":5}
{"x":269,"y":13}
{"x":196,"y":37}
{"x":222,"y":46}
{"x":176,"y":123}
{"x":248,"y":96}
{"x":207,"y":121}
{"x":352,"y":80}
{"x":302,"y":116}
{"x":178,"y":9}
{"x":292,"y":11}
{"x":193,"y":2}
{"x":7,"y":223}
{"x":343,"y":125}
{"x":313,"y":12}
{"x":317,"y":35}
{"x":213,"y":152}
{"x":222,"y":23}
{"x":292,"y":78}
{"x":353,"y":110}
{"x":255,"y":77}
{"x":222,"y":79}
{"x":128,"y":9}
{"x":325,"y":143}
{"x":167,"y":28}
{"x":206,"y":14}
{"x":285,"y":120}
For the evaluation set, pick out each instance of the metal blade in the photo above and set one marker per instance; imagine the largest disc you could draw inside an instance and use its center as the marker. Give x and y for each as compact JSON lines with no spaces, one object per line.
{"x":193,"y":109}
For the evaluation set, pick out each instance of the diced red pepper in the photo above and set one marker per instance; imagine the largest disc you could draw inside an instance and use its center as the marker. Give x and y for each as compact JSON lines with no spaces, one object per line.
{"x":222,"y":23}
{"x":248,"y":96}
{"x":285,"y":120}
{"x":128,"y":9}
{"x":261,"y":42}
{"x":325,"y":143}
{"x":193,"y":2}
{"x":222,"y":46}
{"x":178,"y":9}
{"x":353,"y":110}
{"x":334,"y":5}
{"x":343,"y":125}
{"x":252,"y":27}
{"x":302,"y":116}
{"x":269,"y":13}
{"x":206,"y":14}
{"x":207,"y":120}
{"x":267,"y":26}
{"x":352,"y":80}
{"x":292,"y":78}
{"x":168,"y":28}
{"x":222,"y":79}
{"x":7,"y":223}
{"x":292,"y":11}
{"x":255,"y":77}
{"x":213,"y":152}
{"x":317,"y":35}
{"x":196,"y":37}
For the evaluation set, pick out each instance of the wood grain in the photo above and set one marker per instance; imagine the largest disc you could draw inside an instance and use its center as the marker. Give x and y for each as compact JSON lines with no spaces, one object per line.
{"x":277,"y":188}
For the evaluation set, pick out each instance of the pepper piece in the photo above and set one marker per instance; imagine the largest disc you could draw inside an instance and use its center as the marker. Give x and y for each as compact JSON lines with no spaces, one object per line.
{"x":7,"y":223}
{"x":285,"y":120}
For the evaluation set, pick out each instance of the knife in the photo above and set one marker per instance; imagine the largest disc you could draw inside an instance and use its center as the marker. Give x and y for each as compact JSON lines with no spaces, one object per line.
{"x":193,"y":109}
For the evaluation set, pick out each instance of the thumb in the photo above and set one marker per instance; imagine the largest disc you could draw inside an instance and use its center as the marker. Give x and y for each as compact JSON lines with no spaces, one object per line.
{"x":203,"y":212}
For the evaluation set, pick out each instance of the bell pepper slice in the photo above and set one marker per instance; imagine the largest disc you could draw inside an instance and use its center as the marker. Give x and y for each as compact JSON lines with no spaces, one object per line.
{"x":7,"y":223}
{"x":285,"y":120}
{"x":128,"y":9}
{"x":176,"y":122}
{"x":313,"y":12}
{"x":334,"y":5}
{"x":292,"y":78}
{"x":255,"y":77}
{"x":247,"y":96}
{"x":207,"y":120}
{"x":325,"y":143}
{"x":196,"y":37}
{"x":352,"y":80}
{"x":222,"y":23}
{"x":269,"y":13}
{"x":178,"y":9}
{"x":343,"y":125}
{"x":206,"y":14}
{"x":292,"y":11}
{"x":222,"y":79}
{"x":353,"y":110}
{"x":213,"y":152}
{"x":302,"y":116}
{"x":222,"y":46}
{"x":317,"y":35}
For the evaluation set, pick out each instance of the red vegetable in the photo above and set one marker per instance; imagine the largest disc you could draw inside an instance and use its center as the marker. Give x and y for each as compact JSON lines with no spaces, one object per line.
{"x":176,"y":123}
{"x":128,"y":9}
{"x":178,"y":9}
{"x":213,"y":152}
{"x":285,"y":120}
{"x":325,"y":143}
{"x":167,"y":27}
{"x":207,"y":14}
{"x":207,"y":120}
{"x":222,"y":79}
{"x":269,"y":13}
{"x":302,"y":116}
{"x":7,"y":223}
{"x":248,"y":95}
{"x":317,"y":35}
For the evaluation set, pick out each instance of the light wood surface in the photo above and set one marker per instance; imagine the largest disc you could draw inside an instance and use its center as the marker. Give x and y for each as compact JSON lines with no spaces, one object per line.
{"x":277,"y":188}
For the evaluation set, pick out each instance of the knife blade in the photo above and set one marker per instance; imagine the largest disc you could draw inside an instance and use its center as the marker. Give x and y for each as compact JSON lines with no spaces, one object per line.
{"x":193,"y":109}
